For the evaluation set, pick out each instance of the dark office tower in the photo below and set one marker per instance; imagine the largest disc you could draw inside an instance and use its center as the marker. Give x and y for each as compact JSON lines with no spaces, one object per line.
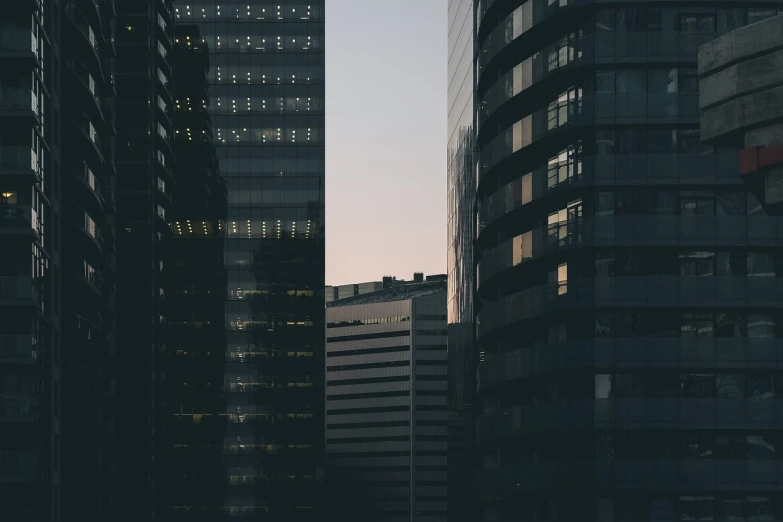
{"x":87,"y":255}
{"x":191,"y":474}
{"x":267,"y":108}
{"x":628,"y":311}
{"x":462,"y":356}
{"x":144,"y":180}
{"x":29,"y":325}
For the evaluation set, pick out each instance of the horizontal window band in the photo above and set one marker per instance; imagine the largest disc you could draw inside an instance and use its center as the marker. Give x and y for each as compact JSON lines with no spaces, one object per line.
{"x":362,"y":337}
{"x":368,"y":395}
{"x":368,"y":351}
{"x":350,"y":440}
{"x":366,"y":366}
{"x":369,"y":380}
{"x":379,"y":409}
{"x":349,"y":425}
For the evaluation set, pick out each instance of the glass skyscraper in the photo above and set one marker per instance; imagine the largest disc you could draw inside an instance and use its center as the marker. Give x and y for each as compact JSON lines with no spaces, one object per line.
{"x":461,"y":231}
{"x":626,"y":285}
{"x":266,"y":103}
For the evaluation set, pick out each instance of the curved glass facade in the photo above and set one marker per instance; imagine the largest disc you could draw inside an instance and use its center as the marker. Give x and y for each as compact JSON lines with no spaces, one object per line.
{"x":626,"y":282}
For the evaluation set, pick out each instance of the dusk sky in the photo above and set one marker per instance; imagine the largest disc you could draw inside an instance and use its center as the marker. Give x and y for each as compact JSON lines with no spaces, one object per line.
{"x":385,"y":139}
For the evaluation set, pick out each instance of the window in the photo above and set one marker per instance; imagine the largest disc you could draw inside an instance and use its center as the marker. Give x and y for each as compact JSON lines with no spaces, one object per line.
{"x":754,"y":207}
{"x":631,"y":81}
{"x":697,"y":386}
{"x":732,"y":203}
{"x":662,"y":20}
{"x":606,"y":204}
{"x":697,"y":203}
{"x":688,"y":81}
{"x":161,"y":185}
{"x":604,"y":325}
{"x":604,"y":82}
{"x":697,"y":264}
{"x":761,"y":385}
{"x":611,"y":386}
{"x":662,"y":203}
{"x":604,"y":142}
{"x":730,"y":386}
{"x":730,"y":325}
{"x":697,"y":23}
{"x":696,"y":324}
{"x":730,"y":19}
{"x":161,"y":212}
{"x":92,"y":133}
{"x":760,"y":447}
{"x":761,"y":325}
{"x":697,"y":445}
{"x":89,"y":226}
{"x":662,"y":141}
{"x":762,"y":508}
{"x":756,"y":14}
{"x":605,"y":21}
{"x":761,"y":264}
{"x":91,"y":181}
{"x":8,"y":197}
{"x":631,"y":141}
{"x":662,"y":80}
{"x":604,"y":264}
{"x":631,"y":19}
{"x":690,"y":143}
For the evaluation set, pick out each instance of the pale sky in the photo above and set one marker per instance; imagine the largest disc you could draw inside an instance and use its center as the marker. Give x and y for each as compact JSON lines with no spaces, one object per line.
{"x":385,"y":139}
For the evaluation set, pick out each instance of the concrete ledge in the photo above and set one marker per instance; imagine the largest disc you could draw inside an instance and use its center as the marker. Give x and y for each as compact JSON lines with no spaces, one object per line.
{"x":741,"y":114}
{"x":745,"y":77}
{"x":740,"y":44}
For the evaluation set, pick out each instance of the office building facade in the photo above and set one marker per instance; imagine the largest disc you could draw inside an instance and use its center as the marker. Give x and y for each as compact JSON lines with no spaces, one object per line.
{"x":189,"y":461}
{"x":266,"y":89}
{"x":626,"y":301}
{"x":144,"y":160}
{"x":386,"y":402}
{"x":56,"y":273}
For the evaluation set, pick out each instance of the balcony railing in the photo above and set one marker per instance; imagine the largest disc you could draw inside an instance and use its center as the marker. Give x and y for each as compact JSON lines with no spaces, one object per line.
{"x":18,"y":40}
{"x":19,"y":217}
{"x":17,"y":406}
{"x":17,"y":465}
{"x":18,"y":99}
{"x":18,"y":158}
{"x":17,"y":347}
{"x":20,"y":288}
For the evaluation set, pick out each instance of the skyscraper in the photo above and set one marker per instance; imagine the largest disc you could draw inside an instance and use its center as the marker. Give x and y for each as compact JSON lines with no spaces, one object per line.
{"x":56,"y":272}
{"x":189,"y":460}
{"x":462,"y":356}
{"x":266,"y":85}
{"x":625,"y":277}
{"x":144,"y":161}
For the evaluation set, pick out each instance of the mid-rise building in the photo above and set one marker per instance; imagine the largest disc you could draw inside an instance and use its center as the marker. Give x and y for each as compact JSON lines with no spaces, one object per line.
{"x":386,"y":401}
{"x":625,"y":277}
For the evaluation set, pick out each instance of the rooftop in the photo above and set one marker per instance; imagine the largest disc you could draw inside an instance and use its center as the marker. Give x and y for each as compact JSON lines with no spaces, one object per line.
{"x":401,"y":292}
